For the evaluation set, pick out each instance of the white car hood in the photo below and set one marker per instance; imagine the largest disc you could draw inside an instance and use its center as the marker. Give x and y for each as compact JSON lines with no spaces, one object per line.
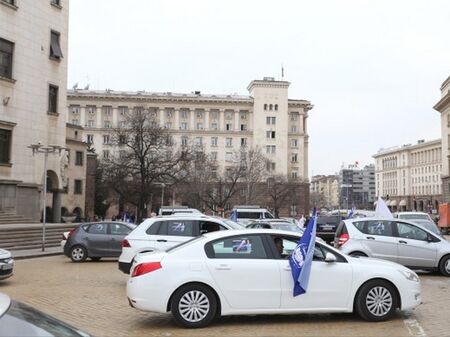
{"x":4,"y":254}
{"x":376,"y":262}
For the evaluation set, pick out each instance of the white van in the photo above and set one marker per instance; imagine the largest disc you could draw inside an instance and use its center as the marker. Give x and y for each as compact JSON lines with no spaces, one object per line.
{"x":246,"y":214}
{"x":169,"y":210}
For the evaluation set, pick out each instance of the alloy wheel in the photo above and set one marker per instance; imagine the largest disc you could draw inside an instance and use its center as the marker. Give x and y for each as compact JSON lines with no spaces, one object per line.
{"x":379,"y":301}
{"x":194,"y":306}
{"x":78,"y":254}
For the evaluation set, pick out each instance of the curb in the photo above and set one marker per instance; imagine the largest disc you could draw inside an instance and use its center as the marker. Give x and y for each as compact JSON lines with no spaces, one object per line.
{"x":33,"y":255}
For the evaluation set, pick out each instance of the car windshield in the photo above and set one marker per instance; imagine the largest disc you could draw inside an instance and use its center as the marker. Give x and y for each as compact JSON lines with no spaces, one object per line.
{"x":232,"y":224}
{"x":22,"y":320}
{"x":429,"y":225}
{"x":414,"y":216}
{"x":286,"y":227}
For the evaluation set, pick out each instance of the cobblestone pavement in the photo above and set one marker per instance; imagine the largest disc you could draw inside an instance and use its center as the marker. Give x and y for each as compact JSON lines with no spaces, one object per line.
{"x":91,"y":296}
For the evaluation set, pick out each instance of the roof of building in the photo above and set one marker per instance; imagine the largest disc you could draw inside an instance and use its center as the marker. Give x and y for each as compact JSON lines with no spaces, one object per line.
{"x":406,"y":147}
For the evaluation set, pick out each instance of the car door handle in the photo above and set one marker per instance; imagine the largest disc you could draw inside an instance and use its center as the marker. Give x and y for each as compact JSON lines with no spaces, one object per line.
{"x":161,"y":240}
{"x":223,"y":267}
{"x":370,"y":237}
{"x":404,"y":242}
{"x":287,"y":268}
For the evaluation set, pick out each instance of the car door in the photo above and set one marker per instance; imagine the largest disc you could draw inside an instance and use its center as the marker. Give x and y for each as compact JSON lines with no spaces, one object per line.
{"x":174,"y":232}
{"x":414,"y":249}
{"x":117,"y":233}
{"x":329,"y":284}
{"x":246,"y":276}
{"x":379,"y":239}
{"x":97,"y":239}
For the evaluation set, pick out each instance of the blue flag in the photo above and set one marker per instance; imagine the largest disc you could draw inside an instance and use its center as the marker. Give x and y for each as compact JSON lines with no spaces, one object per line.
{"x":233,"y":216}
{"x":351,"y":213}
{"x":302,"y":256}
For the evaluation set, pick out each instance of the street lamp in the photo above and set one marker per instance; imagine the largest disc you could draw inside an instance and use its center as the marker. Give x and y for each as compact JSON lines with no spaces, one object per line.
{"x":39,"y":148}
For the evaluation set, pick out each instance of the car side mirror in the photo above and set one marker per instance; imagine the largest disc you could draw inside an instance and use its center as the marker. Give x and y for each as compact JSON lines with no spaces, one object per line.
{"x":431,"y":238}
{"x":330,"y":257}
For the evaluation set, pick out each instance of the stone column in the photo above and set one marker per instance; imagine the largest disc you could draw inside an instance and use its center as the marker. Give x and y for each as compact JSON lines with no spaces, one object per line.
{"x":56,"y":206}
{"x":83,"y":116}
{"x":161,"y":117}
{"x":115,"y":116}
{"x":192,"y":119}
{"x":99,"y":117}
{"x":206,"y":126}
{"x":221,"y":119}
{"x":176,"y":125}
{"x":237,"y":127}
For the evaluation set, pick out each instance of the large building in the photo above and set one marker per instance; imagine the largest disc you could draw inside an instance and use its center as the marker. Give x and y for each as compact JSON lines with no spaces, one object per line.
{"x":324,"y":191}
{"x":443,"y":106}
{"x":409,"y":176}
{"x":266,"y":118}
{"x":33,"y":112}
{"x":357,"y":187}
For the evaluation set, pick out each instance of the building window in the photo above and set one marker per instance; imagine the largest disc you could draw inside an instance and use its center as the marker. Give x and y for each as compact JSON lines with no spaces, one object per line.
{"x":199,"y":126}
{"x":184,"y":141}
{"x":198,"y":141}
{"x":6,"y":58}
{"x":78,"y":186}
{"x":55,"y":47}
{"x":229,"y":127}
{"x":107,"y":124}
{"x":214,"y":155}
{"x":184,"y":114}
{"x":5,"y":146}
{"x":270,"y":149}
{"x":107,"y":110}
{"x":270,"y":134}
{"x":184,"y":126}
{"x":91,"y":123}
{"x":270,"y":107}
{"x":199,"y":114}
{"x":271,"y":120}
{"x":56,"y":3}
{"x":9,"y":2}
{"x":294,"y":128}
{"x":169,"y":113}
{"x":228,"y":115}
{"x":52,"y":99}
{"x":75,"y":121}
{"x":91,"y":109}
{"x":276,"y":107}
{"x":244,"y":116}
{"x":294,"y":142}
{"x":168,"y":125}
{"x":214,"y":126}
{"x":294,"y":116}
{"x":79,"y":158}
{"x":123,"y":110}
{"x":270,"y":166}
{"x":243,"y":127}
{"x":74,"y":109}
{"x":105,"y":139}
{"x":294,"y":174}
{"x":214,"y":141}
{"x":90,"y":139}
{"x":229,"y":142}
{"x":294,"y":158}
{"x":243,"y":141}
{"x":265,"y":106}
{"x":228,"y":156}
{"x":213,"y":114}
{"x":105,"y":154}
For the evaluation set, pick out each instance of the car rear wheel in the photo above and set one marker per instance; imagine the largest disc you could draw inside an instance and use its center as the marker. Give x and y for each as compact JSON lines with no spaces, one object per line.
{"x":376,"y":301}
{"x":78,"y":254}
{"x":194,"y":306}
{"x":444,"y":265}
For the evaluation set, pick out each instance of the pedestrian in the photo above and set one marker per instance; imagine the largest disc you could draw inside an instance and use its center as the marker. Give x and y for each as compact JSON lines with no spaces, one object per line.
{"x":301,"y":221}
{"x":152,"y":215}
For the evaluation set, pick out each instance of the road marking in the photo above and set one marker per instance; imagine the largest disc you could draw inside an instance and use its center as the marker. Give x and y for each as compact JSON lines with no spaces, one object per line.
{"x":414,"y":328}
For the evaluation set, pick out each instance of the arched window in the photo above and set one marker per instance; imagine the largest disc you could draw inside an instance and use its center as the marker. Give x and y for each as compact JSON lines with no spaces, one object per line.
{"x":276,"y":107}
{"x":270,"y":107}
{"x":265,"y":106}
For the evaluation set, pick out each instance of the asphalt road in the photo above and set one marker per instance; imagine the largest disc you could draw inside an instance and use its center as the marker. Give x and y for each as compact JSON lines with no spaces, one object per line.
{"x":91,"y":296}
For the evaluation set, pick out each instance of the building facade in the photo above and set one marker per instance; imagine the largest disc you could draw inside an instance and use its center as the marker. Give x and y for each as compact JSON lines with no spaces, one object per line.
{"x":357,"y":187}
{"x":266,"y":118}
{"x":443,"y":106}
{"x":324,"y":191}
{"x":408,"y":177}
{"x":33,"y":109}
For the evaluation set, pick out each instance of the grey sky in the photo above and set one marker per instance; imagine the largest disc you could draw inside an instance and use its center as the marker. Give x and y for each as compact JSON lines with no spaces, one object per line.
{"x":372,"y":69}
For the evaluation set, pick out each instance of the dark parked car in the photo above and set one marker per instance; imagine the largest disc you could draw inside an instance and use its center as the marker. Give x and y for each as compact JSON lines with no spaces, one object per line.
{"x":96,"y":240}
{"x":326,"y":226}
{"x":18,"y":320}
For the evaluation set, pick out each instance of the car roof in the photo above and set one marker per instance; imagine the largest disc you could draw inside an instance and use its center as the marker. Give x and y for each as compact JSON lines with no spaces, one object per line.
{"x":5,"y":302}
{"x":220,"y":234}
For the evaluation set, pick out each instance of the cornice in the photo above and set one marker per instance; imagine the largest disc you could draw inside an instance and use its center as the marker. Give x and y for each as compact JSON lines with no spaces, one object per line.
{"x":443,"y":103}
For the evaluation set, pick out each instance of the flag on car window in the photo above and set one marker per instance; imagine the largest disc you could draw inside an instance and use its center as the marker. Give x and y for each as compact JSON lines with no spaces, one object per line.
{"x":302,"y":256}
{"x":233,"y":216}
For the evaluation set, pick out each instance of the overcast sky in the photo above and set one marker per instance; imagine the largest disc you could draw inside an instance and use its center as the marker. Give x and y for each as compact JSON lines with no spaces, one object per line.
{"x":372,"y":69}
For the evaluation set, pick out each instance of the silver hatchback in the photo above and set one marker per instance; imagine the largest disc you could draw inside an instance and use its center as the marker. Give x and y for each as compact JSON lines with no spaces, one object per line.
{"x":395,"y":240}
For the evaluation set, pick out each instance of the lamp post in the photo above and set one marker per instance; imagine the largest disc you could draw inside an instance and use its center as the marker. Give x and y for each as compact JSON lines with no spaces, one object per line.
{"x":39,"y":148}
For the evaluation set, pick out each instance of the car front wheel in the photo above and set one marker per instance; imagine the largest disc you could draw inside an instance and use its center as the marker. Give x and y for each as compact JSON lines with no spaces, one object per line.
{"x":376,"y":301}
{"x":444,"y":265}
{"x":194,"y":306}
{"x":78,"y":254}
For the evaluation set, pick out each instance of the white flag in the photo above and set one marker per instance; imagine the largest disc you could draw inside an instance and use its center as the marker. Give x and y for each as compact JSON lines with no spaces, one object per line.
{"x":382,"y":211}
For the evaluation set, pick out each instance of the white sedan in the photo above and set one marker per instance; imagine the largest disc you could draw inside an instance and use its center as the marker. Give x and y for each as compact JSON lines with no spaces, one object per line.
{"x":245,"y":272}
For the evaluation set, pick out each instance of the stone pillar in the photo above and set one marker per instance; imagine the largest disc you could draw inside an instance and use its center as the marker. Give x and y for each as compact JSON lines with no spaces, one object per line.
{"x":192,"y":119}
{"x":99,"y":118}
{"x":161,"y":117}
{"x":115,"y":116}
{"x":176,"y":125}
{"x":206,"y":126}
{"x":83,"y":116}
{"x":221,"y":119}
{"x":56,"y":206}
{"x":237,"y":127}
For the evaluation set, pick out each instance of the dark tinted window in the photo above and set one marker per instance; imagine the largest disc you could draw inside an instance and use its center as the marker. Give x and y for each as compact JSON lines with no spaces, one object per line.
{"x":360,"y":225}
{"x":330,"y":220}
{"x":98,"y":228}
{"x":53,"y":98}
{"x":249,"y":215}
{"x":237,"y":247}
{"x":209,"y":226}
{"x":55,"y":47}
{"x":408,"y":231}
{"x":5,"y":145}
{"x":118,"y":229}
{"x":6,"y":58}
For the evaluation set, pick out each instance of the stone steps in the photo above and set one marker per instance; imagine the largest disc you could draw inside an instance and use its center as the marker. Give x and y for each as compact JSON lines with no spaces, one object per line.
{"x":7,"y":218}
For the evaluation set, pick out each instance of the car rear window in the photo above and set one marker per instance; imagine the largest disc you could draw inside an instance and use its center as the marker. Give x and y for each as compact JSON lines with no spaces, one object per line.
{"x":249,"y":215}
{"x":342,"y":229}
{"x":332,"y":220}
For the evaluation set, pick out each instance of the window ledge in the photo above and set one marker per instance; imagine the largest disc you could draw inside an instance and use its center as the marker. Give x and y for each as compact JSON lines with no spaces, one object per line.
{"x":5,"y":165}
{"x":55,"y":5}
{"x":6,"y":79}
{"x":8,"y":5}
{"x":54,"y":114}
{"x":54,"y":58}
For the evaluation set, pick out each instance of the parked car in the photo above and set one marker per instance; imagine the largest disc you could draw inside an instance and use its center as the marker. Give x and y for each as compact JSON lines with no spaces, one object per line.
{"x":326,"y":226}
{"x":243,"y":272}
{"x":96,"y":240}
{"x":246,"y":214}
{"x":396,"y":240}
{"x":275,"y":224}
{"x":18,"y":320}
{"x":65,"y":235}
{"x":413,"y":216}
{"x":162,"y":233}
{"x":6,"y":264}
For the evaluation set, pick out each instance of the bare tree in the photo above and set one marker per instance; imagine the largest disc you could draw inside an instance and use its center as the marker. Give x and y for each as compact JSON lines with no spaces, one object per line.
{"x":279,"y":190}
{"x":254,"y":162}
{"x":144,"y":154}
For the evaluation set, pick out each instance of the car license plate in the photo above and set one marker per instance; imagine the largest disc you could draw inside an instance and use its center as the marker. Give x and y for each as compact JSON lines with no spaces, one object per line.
{"x":327,"y":228}
{"x":7,"y":266}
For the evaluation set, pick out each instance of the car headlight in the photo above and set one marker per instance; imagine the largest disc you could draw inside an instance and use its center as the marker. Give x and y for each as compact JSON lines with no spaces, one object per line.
{"x":410,"y":275}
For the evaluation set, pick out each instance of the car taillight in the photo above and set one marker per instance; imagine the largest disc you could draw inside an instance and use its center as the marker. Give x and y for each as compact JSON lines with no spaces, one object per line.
{"x":343,"y":239}
{"x":125,"y":243}
{"x":70,"y":233}
{"x":145,"y":268}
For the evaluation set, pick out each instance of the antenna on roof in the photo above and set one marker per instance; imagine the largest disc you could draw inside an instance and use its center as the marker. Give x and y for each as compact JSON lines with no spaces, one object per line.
{"x":282,"y":71}
{"x":86,"y":87}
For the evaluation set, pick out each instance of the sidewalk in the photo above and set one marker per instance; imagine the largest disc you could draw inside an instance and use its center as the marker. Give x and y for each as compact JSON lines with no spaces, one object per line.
{"x":33,"y":253}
